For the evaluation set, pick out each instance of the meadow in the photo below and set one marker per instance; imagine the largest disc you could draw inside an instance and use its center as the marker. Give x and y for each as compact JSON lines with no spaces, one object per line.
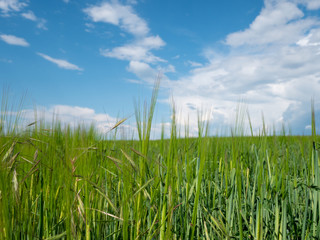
{"x":58,"y":182}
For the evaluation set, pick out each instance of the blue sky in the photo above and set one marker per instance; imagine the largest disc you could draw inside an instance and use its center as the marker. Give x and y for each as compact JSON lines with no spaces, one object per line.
{"x":89,"y":60}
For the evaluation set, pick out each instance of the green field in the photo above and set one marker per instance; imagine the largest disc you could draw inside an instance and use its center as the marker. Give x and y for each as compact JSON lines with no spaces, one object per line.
{"x":70,"y":183}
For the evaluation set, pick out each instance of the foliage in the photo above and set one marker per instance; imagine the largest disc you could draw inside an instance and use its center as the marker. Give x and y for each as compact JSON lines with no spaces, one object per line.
{"x":63,"y":183}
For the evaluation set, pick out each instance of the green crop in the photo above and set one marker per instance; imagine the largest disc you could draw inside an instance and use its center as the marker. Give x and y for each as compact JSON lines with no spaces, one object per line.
{"x":58,"y":182}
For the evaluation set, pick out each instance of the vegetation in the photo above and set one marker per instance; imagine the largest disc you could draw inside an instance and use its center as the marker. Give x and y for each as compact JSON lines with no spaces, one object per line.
{"x":62,"y":183}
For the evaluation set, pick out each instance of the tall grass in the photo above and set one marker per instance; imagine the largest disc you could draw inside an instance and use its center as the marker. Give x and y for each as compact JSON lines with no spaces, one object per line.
{"x":69,"y":183}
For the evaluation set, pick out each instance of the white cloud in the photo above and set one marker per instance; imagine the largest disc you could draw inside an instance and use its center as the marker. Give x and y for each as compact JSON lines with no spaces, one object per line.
{"x":143,"y":71}
{"x":137,"y":51}
{"x":41,"y":23}
{"x":13,"y":40}
{"x":310,"y":4}
{"x":60,"y":62}
{"x":73,"y":116}
{"x":152,"y":42}
{"x":119,"y":15}
{"x":29,"y":15}
{"x":312,"y":39}
{"x":276,"y":74}
{"x":132,"y":2}
{"x":73,"y":111}
{"x":280,"y":22}
{"x":7,"y":6}
{"x":66,"y":1}
{"x":147,"y":74}
{"x":89,"y":27}
{"x":269,"y":83}
{"x":167,"y":69}
{"x":313,"y":5}
{"x":194,"y":64}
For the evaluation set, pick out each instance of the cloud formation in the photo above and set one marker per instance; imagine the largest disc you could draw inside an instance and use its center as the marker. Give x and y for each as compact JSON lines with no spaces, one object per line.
{"x":272,"y":66}
{"x":75,"y":116}
{"x":7,"y":6}
{"x":13,"y":40}
{"x":310,"y":4}
{"x":119,"y":15}
{"x":280,"y":22}
{"x":143,"y":71}
{"x":60,"y":62}
{"x":41,"y":23}
{"x":137,"y":52}
{"x":10,"y":6}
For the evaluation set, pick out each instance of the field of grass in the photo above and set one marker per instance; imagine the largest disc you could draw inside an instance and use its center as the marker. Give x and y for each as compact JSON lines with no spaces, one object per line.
{"x":69,"y":183}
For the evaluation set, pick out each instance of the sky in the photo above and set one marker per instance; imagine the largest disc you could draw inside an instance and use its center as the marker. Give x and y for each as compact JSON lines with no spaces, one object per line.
{"x":90,"y":61}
